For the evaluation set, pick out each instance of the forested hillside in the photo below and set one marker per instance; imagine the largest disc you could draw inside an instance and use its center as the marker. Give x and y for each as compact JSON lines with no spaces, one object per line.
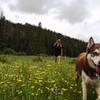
{"x":32,"y":39}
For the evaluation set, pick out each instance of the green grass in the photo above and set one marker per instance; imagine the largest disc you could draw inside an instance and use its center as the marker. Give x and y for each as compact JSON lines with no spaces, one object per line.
{"x":39,"y":78}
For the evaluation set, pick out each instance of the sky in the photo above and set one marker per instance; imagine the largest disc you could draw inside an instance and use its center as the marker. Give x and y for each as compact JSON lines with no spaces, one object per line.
{"x":78,"y":19}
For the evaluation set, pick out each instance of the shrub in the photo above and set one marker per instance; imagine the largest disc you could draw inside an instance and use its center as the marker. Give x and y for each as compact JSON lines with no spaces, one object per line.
{"x":21,"y":53}
{"x":4,"y":59}
{"x":72,"y":61}
{"x":8,"y":51}
{"x":37,"y":59}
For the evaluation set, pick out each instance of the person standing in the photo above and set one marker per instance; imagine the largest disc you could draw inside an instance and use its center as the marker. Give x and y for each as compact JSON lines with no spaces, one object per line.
{"x":58,"y":51}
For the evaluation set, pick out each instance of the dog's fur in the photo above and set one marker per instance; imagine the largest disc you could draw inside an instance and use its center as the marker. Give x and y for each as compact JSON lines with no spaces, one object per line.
{"x":88,"y":65}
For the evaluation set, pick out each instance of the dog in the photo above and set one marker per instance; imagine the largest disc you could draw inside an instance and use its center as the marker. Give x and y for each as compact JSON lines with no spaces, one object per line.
{"x":88,"y":67}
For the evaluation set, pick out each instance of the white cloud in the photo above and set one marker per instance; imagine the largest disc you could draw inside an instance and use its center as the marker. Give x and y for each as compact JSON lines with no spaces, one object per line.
{"x":34,"y":6}
{"x":73,"y":10}
{"x":76,"y":18}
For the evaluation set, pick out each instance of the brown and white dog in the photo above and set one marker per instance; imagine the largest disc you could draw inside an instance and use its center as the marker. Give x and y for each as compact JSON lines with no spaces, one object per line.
{"x":88,"y":65}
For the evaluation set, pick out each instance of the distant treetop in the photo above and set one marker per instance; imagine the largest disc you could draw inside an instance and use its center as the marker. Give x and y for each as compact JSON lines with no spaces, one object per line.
{"x":40,"y":24}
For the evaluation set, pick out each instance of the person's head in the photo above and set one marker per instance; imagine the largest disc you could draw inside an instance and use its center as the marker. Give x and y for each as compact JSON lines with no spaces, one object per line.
{"x":59,"y":40}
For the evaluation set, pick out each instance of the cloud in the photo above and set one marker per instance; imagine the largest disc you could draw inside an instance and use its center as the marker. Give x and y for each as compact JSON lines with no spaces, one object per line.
{"x":34,"y":6}
{"x":76,"y":18}
{"x":73,"y":11}
{"x":6,"y":5}
{"x":0,"y":10}
{"x":1,"y":7}
{"x":3,"y":0}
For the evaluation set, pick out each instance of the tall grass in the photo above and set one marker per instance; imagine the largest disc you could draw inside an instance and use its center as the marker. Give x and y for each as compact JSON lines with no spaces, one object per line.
{"x":38,"y":78}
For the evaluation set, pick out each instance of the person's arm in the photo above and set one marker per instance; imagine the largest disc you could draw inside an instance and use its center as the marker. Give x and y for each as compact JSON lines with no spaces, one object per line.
{"x":54,"y":44}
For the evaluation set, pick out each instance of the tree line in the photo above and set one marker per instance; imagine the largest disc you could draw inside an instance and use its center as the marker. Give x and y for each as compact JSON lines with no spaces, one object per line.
{"x":33,"y":40}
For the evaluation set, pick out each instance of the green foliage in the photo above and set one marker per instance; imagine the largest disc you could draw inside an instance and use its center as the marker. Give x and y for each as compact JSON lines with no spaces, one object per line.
{"x":36,"y":40}
{"x":5,"y":59}
{"x":25,"y":79}
{"x":72,"y":61}
{"x":8,"y":51}
{"x":20,"y":53}
{"x":37,"y":59}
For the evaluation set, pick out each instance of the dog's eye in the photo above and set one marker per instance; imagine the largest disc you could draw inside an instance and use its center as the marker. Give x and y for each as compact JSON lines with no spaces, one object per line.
{"x":94,"y":54}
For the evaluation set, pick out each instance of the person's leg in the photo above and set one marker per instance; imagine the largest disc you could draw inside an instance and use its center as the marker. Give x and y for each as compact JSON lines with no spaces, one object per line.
{"x":55,"y":59}
{"x":58,"y":59}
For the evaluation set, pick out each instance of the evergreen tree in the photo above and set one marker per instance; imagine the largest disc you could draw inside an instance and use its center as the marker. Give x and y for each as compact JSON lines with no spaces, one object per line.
{"x":35,"y":40}
{"x":40,"y":24}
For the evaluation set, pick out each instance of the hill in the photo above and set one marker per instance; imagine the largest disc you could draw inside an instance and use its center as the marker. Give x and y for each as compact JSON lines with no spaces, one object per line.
{"x":32,"y":39}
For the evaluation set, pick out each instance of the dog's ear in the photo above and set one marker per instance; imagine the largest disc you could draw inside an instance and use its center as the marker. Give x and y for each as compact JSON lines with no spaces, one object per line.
{"x":90,"y":44}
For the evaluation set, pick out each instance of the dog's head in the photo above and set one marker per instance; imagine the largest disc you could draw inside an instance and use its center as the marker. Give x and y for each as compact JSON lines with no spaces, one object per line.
{"x":93,"y":55}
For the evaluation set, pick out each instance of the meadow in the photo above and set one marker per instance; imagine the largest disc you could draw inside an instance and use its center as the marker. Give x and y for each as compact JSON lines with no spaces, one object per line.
{"x":39,"y":78}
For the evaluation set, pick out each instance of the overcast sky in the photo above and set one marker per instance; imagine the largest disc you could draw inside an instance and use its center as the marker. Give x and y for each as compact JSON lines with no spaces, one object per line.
{"x":75,"y":18}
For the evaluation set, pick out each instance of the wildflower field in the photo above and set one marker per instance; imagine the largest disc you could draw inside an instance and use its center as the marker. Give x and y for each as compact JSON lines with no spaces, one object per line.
{"x":39,"y":78}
